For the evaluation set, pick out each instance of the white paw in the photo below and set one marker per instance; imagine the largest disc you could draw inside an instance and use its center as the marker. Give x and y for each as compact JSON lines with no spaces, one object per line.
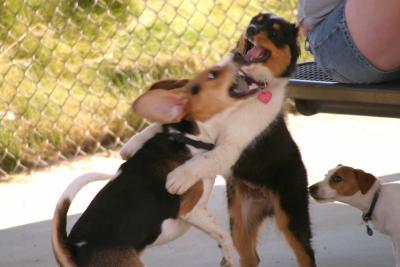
{"x":180,"y":180}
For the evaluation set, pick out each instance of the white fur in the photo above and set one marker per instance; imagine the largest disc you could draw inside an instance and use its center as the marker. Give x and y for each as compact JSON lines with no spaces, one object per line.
{"x":136,"y":142}
{"x":386,"y":215}
{"x":174,"y":228}
{"x":235,"y":130}
{"x":199,"y":216}
{"x":232,"y":131}
{"x":205,"y":221}
{"x":202,"y":219}
{"x":79,"y":182}
{"x":171,"y":228}
{"x":226,"y":60}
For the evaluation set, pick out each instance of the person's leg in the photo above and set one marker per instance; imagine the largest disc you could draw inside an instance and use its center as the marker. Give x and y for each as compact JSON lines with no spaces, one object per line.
{"x":374,"y":26}
{"x":340,"y":57}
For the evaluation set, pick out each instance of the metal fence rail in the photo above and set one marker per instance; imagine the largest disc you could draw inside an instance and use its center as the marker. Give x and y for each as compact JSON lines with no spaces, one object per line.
{"x":69,"y":69}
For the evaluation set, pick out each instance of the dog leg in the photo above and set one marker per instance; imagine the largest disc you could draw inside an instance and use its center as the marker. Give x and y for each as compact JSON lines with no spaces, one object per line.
{"x":136,"y":142}
{"x":202,"y":219}
{"x":294,"y":222}
{"x":246,"y":217}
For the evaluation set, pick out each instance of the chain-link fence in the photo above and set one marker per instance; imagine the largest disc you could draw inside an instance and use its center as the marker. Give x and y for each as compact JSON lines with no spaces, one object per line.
{"x":70,"y":68}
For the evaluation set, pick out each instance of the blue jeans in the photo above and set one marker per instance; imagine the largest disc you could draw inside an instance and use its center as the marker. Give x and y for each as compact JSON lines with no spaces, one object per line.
{"x":336,"y":53}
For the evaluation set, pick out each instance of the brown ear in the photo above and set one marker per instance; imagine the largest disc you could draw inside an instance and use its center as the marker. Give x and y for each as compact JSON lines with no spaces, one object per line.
{"x":168,"y":84}
{"x":241,"y":45}
{"x":162,"y":106}
{"x":364,"y":180}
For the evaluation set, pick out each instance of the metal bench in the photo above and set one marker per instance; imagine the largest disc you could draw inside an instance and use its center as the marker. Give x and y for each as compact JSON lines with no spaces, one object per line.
{"x":314,"y":92}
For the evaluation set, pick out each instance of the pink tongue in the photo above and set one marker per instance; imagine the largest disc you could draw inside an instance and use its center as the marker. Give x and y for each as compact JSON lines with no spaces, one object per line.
{"x":254,"y":53}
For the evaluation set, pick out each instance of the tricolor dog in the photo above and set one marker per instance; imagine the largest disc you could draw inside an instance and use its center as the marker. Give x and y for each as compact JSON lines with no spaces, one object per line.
{"x":379,"y":202}
{"x":134,"y":210}
{"x":254,"y":149}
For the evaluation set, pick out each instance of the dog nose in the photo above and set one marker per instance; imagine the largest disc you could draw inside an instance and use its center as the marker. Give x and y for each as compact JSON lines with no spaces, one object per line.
{"x":251,"y":31}
{"x":313,"y":189}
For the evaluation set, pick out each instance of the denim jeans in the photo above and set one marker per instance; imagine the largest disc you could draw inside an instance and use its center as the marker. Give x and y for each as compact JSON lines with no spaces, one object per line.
{"x":336,"y":53}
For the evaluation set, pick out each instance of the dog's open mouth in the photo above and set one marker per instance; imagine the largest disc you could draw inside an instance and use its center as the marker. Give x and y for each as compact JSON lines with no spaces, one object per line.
{"x":245,"y":86}
{"x":255,"y":54}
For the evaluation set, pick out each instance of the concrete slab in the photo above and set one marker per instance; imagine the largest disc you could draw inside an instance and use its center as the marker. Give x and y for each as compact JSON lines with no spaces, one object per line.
{"x":339,"y":241}
{"x":27,"y":204}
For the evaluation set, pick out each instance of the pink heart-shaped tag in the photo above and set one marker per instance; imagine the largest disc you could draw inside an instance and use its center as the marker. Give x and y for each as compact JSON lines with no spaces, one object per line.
{"x":264,"y":96}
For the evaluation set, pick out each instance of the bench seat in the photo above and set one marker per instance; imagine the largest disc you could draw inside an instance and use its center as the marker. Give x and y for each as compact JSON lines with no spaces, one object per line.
{"x":314,"y":92}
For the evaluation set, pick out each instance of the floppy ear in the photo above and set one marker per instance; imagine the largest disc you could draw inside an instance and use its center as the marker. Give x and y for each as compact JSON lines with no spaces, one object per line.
{"x":364,"y":180}
{"x":241,"y":45}
{"x":162,"y":106}
{"x":169,"y":84}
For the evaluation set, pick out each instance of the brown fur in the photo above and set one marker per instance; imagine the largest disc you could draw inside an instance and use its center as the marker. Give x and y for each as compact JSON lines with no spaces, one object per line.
{"x":264,"y":199}
{"x":190,"y":198}
{"x":200,"y":107}
{"x":280,"y":57}
{"x":349,"y":186}
{"x":115,"y":257}
{"x":241,"y":44}
{"x":283,"y":224}
{"x":194,"y":106}
{"x":354,"y":180}
{"x":245,"y":230}
{"x":276,"y":26}
{"x":59,"y":235}
{"x":169,"y":84}
{"x":364,"y":180}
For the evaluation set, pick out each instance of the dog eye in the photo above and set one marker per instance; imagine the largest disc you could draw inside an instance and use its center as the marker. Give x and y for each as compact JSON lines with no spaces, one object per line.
{"x":195,"y":89}
{"x":337,"y":179}
{"x":213,"y":74}
{"x":273,"y":33}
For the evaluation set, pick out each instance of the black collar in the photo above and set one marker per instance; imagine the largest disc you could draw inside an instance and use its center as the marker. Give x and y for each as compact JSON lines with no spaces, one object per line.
{"x":367,"y":216}
{"x":181,"y":138}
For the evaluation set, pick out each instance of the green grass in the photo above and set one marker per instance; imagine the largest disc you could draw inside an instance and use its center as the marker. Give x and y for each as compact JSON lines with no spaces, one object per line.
{"x":70,"y":69}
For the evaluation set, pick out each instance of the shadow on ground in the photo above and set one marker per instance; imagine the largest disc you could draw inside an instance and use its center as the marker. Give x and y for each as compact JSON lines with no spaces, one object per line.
{"x":339,"y":241}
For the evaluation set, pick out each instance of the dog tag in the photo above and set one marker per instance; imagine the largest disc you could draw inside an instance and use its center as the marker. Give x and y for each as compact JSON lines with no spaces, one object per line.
{"x":264,"y":96}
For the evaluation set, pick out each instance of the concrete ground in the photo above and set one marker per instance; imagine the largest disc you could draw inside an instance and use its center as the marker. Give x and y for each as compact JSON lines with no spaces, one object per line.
{"x":27,"y":203}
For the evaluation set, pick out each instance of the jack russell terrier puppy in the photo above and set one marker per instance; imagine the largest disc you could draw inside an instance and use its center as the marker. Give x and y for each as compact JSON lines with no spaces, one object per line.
{"x":379,"y":202}
{"x":134,"y":210}
{"x":254,"y":149}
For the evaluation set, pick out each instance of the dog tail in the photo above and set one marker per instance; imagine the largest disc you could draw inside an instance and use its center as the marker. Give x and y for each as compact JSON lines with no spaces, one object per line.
{"x":61,"y":249}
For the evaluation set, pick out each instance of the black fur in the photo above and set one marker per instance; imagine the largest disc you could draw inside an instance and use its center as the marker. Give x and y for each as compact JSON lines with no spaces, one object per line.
{"x":273,"y":161}
{"x":286,"y":35}
{"x":128,"y":212}
{"x":195,"y":89}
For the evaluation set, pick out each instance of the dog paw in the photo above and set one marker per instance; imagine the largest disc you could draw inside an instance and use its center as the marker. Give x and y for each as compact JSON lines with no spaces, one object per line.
{"x":180,"y":180}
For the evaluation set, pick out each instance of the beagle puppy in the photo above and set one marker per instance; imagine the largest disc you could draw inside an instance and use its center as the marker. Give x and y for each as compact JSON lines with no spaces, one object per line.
{"x":254,"y":150}
{"x":134,"y":210}
{"x":379,"y":202}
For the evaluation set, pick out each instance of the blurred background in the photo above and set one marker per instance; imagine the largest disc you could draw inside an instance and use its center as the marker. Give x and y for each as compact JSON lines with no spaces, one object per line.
{"x":69,"y":69}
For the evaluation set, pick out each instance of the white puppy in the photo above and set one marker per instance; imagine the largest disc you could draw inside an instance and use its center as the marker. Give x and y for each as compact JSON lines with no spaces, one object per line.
{"x":379,"y":202}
